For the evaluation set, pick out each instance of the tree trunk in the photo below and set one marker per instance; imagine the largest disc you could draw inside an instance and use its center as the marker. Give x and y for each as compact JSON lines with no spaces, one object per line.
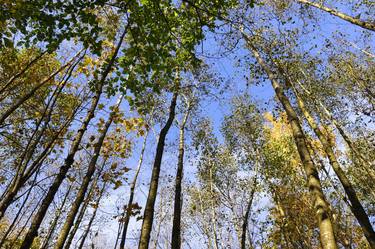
{"x":247,"y":214}
{"x":37,"y":220}
{"x":328,"y":115}
{"x":131,"y":197}
{"x":83,"y":210}
{"x":84,"y":236}
{"x":148,"y":216}
{"x":52,"y":227}
{"x":86,"y":181}
{"x":176,"y":228}
{"x":20,"y":178}
{"x":18,"y":182}
{"x":355,"y":21}
{"x":9,"y":229}
{"x":356,"y":206}
{"x":321,"y":206}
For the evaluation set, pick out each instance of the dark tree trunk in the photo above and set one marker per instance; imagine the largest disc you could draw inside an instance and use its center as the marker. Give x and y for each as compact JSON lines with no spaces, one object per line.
{"x":148,"y":216}
{"x":85,"y":183}
{"x":128,"y":212}
{"x":176,"y":228}
{"x":37,"y":220}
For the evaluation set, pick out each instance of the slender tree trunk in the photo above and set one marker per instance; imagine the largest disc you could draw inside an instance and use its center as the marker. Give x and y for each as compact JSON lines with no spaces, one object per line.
{"x":27,"y":96}
{"x":213,"y":213}
{"x":8,"y":231}
{"x":247,"y":214}
{"x":21,"y":178}
{"x":176,"y":228}
{"x":148,"y":216}
{"x":131,"y":197}
{"x":321,"y":206}
{"x":8,"y":197}
{"x":119,"y":232}
{"x":355,"y":21}
{"x":328,"y":115}
{"x":86,"y":232}
{"x":85,"y":183}
{"x":53,"y":225}
{"x":37,"y":220}
{"x":205,"y":228}
{"x":356,"y":206}
{"x":83,"y":209}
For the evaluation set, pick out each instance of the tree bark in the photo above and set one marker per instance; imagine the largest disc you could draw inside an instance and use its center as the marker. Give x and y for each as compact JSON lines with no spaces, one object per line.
{"x":321,"y":206}
{"x":148,"y":216}
{"x":356,"y":206}
{"x":176,"y":228}
{"x":355,"y":21}
{"x":84,"y":236}
{"x":52,"y":227}
{"x":83,"y":210}
{"x":131,"y":197}
{"x":37,"y":220}
{"x":85,"y":183}
{"x":247,"y":214}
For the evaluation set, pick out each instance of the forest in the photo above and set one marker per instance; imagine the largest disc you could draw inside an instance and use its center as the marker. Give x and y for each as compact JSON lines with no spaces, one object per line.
{"x":170,"y":124}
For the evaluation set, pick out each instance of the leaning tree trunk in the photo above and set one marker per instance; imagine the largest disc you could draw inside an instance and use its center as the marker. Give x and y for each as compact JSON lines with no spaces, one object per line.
{"x":329,"y":116}
{"x":20,"y":208}
{"x":37,"y":220}
{"x":86,"y":232}
{"x":53,"y":225}
{"x":176,"y":228}
{"x":148,"y":216}
{"x":18,"y":182}
{"x":321,"y":206}
{"x":356,"y":206}
{"x":83,"y":209}
{"x":131,"y":197}
{"x":355,"y":21}
{"x":247,"y":213}
{"x":20,"y":178}
{"x":85,"y":183}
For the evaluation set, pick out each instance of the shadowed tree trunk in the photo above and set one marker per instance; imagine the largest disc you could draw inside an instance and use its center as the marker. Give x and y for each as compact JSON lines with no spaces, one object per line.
{"x":321,"y":206}
{"x":247,"y":214}
{"x":82,"y":212}
{"x":52,"y":227}
{"x":38,"y":218}
{"x":176,"y":228}
{"x":23,"y":173}
{"x":86,"y":181}
{"x":148,"y":216}
{"x":131,"y":197}
{"x":26,"y":198}
{"x":87,"y":230}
